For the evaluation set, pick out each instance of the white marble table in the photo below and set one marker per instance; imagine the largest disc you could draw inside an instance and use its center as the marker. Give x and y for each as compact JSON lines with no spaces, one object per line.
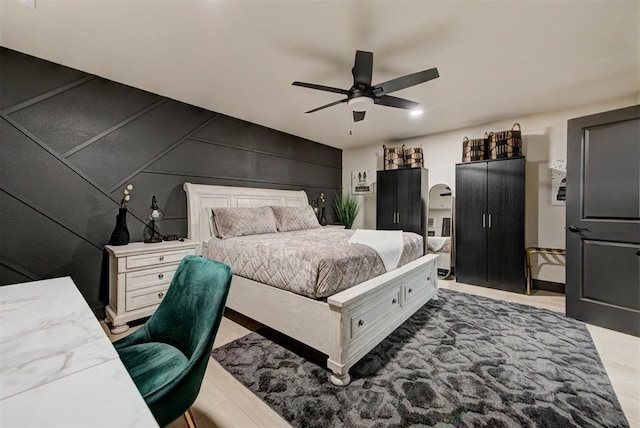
{"x":57,"y":366}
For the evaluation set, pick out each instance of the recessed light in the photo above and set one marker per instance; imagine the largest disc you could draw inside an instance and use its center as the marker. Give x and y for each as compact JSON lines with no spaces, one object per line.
{"x":416,"y":112}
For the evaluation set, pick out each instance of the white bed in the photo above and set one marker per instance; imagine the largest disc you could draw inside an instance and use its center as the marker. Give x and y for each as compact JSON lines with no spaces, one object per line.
{"x":348,"y":324}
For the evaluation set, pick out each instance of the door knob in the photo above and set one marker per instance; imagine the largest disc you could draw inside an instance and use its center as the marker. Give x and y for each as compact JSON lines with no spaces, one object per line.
{"x":576,"y":229}
{"x":638,"y":253}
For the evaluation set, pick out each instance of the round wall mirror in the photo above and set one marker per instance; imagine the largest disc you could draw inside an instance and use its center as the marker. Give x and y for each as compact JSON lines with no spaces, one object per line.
{"x":440,"y":227}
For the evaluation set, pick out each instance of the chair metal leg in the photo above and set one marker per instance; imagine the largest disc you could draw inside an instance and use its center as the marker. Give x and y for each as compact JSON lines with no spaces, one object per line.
{"x":188,"y":417}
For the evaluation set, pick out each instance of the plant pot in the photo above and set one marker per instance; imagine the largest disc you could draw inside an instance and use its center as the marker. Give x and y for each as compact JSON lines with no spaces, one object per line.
{"x":120,"y":234}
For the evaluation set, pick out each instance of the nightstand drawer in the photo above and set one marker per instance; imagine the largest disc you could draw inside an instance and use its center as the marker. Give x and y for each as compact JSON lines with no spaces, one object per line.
{"x":149,"y":277}
{"x":153,"y":259}
{"x":151,"y":296}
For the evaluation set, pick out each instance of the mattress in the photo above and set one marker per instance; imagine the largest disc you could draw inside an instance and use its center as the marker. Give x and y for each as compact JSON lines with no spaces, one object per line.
{"x":316,"y":263}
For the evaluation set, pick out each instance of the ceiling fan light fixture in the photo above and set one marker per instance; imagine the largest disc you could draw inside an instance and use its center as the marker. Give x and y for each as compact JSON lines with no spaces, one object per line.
{"x":360,"y":103}
{"x":417,"y":112}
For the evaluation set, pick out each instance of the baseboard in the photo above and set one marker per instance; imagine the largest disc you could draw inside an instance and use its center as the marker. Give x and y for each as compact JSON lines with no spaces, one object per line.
{"x":556,"y":287}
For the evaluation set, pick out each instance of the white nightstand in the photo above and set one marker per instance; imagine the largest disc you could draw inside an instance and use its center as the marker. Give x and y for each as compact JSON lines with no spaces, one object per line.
{"x":139,"y":276}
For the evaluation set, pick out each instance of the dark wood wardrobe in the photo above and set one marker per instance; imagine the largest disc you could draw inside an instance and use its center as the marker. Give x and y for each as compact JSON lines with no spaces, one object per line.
{"x":489,"y":223}
{"x":402,"y":200}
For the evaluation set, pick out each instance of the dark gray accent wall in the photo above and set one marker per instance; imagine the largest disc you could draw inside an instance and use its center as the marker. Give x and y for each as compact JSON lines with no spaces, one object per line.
{"x":70,"y":142}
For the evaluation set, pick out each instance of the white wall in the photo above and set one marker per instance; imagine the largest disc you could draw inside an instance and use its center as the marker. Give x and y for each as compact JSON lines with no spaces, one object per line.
{"x":544,"y":140}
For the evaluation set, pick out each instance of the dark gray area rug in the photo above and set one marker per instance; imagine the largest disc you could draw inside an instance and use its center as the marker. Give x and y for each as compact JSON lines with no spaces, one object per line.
{"x":461,"y":361}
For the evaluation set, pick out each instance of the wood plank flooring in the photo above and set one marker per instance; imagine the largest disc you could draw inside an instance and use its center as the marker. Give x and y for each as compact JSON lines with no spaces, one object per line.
{"x":224,"y":402}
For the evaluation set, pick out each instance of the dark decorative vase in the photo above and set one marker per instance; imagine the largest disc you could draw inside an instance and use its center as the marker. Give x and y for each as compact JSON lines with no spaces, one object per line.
{"x":120,"y":235}
{"x":323,"y":218}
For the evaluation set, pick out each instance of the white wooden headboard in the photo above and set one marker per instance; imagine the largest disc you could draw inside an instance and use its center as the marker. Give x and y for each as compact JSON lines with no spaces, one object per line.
{"x":202,"y":197}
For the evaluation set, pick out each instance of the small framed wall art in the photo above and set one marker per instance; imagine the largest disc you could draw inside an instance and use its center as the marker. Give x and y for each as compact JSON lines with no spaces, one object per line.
{"x":362,"y":182}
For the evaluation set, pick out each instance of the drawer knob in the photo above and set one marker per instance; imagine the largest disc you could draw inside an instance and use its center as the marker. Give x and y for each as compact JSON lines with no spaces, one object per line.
{"x":394,"y":301}
{"x":161,"y":258}
{"x":410,"y":290}
{"x":160,"y":295}
{"x":360,"y":323}
{"x":428,"y":278}
{"x":160,"y":275}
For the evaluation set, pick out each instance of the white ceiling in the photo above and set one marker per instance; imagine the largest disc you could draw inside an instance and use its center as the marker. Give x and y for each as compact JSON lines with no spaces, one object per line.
{"x":497,"y":59}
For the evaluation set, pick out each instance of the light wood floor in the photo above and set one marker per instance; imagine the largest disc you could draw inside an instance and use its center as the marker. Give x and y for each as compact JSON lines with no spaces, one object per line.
{"x":224,"y":402}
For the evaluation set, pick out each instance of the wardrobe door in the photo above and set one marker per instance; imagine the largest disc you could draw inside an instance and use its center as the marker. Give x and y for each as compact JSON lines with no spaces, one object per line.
{"x":409,"y":204}
{"x":386,"y":196}
{"x":471,"y":220}
{"x":505,"y":224}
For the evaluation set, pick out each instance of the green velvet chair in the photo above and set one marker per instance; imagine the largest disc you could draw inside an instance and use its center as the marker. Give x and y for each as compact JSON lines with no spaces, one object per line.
{"x":168,"y":355}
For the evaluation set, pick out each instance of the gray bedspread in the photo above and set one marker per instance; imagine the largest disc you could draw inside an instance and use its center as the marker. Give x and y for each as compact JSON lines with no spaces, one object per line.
{"x":316,"y":262}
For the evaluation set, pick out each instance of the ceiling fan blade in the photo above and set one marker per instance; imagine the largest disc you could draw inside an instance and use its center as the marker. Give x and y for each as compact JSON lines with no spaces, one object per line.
{"x":405,"y":81}
{"x":389,"y":101}
{"x":358,"y":116}
{"x":328,"y":105}
{"x":321,"y":88}
{"x":362,"y":69}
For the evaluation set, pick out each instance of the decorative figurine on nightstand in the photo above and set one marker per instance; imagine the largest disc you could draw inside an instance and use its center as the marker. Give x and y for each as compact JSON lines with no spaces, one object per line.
{"x":323,"y":218}
{"x":151,"y":234}
{"x":120,"y":234}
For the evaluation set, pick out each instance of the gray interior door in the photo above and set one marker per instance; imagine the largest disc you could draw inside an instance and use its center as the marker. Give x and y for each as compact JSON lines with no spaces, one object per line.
{"x":603,"y":219}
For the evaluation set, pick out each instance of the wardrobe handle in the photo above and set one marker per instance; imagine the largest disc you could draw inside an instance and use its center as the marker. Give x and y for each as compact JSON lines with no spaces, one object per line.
{"x":484,"y":221}
{"x":489,"y":221}
{"x":398,"y":218}
{"x":394,"y":217}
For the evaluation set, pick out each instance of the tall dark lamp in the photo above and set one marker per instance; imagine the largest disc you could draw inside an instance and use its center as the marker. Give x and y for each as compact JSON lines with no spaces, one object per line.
{"x":151,"y":234}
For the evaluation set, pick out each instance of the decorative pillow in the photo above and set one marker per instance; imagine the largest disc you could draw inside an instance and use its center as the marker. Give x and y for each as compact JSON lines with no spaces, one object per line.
{"x":232,"y":222}
{"x":294,"y":218}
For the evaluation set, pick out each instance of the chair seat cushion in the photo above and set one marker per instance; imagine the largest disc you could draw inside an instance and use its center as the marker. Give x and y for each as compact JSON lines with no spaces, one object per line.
{"x":153,"y":365}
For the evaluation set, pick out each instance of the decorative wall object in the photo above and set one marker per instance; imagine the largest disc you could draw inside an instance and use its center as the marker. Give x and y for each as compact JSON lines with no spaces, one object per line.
{"x":559,"y":182}
{"x":362,"y":182}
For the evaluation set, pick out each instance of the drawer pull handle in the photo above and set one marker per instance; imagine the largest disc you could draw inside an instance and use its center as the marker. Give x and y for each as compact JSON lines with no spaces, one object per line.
{"x":160,"y":295}
{"x":410,"y":290}
{"x":428,"y":278}
{"x":160,"y":275}
{"x":394,"y":301}
{"x":161,"y":258}
{"x":360,"y":323}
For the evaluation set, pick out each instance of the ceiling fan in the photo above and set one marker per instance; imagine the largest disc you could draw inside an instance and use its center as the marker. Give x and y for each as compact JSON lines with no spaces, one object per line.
{"x":362,"y":95}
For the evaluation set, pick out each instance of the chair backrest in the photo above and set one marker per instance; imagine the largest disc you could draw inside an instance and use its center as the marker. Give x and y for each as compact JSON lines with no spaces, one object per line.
{"x":190,"y":314}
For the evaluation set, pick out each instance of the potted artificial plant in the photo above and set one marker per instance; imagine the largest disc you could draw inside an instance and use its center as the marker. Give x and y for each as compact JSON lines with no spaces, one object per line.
{"x":347,"y":208}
